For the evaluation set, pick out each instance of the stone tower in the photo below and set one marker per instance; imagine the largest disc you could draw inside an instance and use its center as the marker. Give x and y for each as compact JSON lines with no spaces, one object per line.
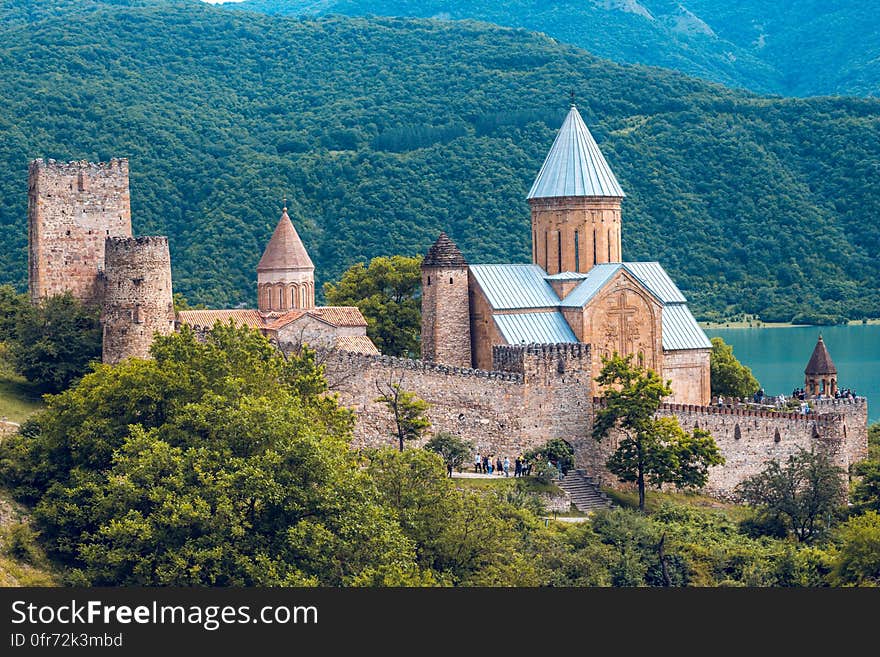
{"x":285,"y":273}
{"x":820,"y":375}
{"x":137,"y":295}
{"x":72,"y":209}
{"x":446,"y":317}
{"x":575,"y":204}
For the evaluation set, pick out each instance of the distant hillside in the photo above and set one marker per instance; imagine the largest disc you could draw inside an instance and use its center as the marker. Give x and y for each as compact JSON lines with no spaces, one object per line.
{"x":382,"y":132}
{"x":796,"y":47}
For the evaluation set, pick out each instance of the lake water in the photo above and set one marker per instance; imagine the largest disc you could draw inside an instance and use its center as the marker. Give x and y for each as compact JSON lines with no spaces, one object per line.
{"x":778,"y":356}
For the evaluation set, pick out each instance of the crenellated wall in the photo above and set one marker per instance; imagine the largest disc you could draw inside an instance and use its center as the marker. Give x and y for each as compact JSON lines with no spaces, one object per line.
{"x":546,"y":395}
{"x":137,"y":296}
{"x":538,"y":392}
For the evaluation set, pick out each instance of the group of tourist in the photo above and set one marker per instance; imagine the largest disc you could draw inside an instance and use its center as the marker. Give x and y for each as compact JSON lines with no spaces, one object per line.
{"x":491,"y":464}
{"x":842,"y":393}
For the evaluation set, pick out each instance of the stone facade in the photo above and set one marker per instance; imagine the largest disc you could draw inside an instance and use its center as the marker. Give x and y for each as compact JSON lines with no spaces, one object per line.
{"x":137,"y":299}
{"x":72,"y":209}
{"x":688,"y":371}
{"x":574,"y":233}
{"x":539,"y":392}
{"x":446,"y":323}
{"x":502,"y":412}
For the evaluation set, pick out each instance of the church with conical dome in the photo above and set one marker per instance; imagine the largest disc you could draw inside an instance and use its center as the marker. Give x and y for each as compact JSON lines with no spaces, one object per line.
{"x":577,"y":289}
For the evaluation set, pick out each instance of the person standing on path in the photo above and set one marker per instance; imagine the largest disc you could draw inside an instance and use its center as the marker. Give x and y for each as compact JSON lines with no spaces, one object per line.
{"x":506,"y":466}
{"x":478,"y":463}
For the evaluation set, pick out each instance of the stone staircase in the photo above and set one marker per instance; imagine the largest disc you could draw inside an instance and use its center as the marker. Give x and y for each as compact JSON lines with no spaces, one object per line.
{"x":584,"y":492}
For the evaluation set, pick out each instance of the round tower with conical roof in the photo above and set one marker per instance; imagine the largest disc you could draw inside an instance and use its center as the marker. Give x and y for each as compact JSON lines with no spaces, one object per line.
{"x":446,"y":316}
{"x":285,"y":273}
{"x":820,"y":375}
{"x":575,"y":204}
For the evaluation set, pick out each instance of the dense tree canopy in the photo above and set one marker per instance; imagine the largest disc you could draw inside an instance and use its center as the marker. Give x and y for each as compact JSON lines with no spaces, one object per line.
{"x":763,"y":46}
{"x":381,"y":132}
{"x":387,"y":292}
{"x":651,"y":450}
{"x":216,"y":463}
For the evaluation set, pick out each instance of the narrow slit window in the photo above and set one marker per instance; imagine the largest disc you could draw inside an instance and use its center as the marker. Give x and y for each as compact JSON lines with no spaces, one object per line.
{"x":577,"y":249}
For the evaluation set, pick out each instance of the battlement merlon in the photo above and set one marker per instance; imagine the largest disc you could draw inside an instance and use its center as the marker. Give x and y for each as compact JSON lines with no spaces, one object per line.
{"x":547,"y":362}
{"x":116,"y":164}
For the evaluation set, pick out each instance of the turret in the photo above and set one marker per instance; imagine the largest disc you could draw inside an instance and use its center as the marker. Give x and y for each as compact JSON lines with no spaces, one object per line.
{"x":820,"y":375}
{"x":575,"y":202}
{"x":446,"y":317}
{"x":137,"y":296}
{"x":285,"y":273}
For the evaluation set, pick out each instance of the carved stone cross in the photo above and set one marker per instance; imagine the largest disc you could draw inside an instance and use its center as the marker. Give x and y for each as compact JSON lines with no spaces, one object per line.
{"x":627,"y":331}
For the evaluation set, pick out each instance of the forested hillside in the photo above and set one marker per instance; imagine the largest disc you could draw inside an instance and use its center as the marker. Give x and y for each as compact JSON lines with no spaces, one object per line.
{"x":797,"y":47}
{"x":382,"y":132}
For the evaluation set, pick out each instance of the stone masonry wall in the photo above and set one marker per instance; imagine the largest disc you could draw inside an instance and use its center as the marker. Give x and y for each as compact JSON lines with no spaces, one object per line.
{"x":137,"y":296}
{"x":446,"y":323}
{"x":597,"y":222}
{"x":689,"y":371}
{"x":504,"y":413}
{"x":72,"y":208}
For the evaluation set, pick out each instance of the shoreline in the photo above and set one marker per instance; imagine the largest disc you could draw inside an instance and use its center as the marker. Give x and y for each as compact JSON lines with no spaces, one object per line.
{"x":762,"y":325}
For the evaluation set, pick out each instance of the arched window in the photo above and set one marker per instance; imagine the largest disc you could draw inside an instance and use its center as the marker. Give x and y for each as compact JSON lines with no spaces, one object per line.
{"x":577,"y":251}
{"x":450,"y":280}
{"x":429,"y":280}
{"x":737,"y":433}
{"x":302,"y":297}
{"x":595,"y":252}
{"x":281,"y":304}
{"x":609,"y":246}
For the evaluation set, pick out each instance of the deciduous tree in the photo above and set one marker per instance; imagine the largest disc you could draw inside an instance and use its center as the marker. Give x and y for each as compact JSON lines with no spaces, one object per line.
{"x":804,"y":491}
{"x":730,"y":378}
{"x":408,"y":410}
{"x":387,"y":292}
{"x":651,"y":450}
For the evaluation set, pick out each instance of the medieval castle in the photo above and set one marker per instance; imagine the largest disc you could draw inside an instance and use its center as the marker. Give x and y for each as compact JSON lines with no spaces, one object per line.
{"x":510,"y":352}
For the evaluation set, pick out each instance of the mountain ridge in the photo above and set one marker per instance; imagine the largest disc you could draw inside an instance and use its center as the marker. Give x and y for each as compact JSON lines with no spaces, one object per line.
{"x":383,"y":132}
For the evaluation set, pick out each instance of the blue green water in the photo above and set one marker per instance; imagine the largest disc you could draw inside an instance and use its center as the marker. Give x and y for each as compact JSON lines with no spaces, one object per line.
{"x":778,"y":357}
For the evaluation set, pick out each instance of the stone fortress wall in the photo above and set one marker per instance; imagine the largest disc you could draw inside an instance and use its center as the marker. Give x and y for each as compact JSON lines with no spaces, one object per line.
{"x":80,"y":239}
{"x":73,"y":208}
{"x":538,"y":392}
{"x":137,"y":301}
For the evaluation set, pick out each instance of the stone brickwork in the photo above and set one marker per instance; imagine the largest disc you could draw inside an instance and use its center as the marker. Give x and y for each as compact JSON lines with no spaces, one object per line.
{"x":72,"y":208}
{"x":446,"y":320}
{"x":315,"y":333}
{"x":748,"y":439}
{"x":502,"y":412}
{"x":573,"y":233}
{"x":624,"y":318}
{"x":484,"y":330}
{"x":689,"y":371}
{"x":137,"y":296}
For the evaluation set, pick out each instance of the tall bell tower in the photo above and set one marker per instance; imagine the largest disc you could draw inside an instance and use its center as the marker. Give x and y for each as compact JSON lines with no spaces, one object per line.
{"x":575,"y":204}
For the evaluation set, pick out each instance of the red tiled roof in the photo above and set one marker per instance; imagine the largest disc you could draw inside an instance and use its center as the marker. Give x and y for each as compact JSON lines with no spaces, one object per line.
{"x":285,"y":249}
{"x":340,"y":315}
{"x":207,"y":318}
{"x":359,"y":344}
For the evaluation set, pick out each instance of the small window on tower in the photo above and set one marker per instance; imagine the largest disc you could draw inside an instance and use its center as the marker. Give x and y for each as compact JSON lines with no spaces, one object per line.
{"x":429,"y":280}
{"x":450,"y":280}
{"x":577,"y":251}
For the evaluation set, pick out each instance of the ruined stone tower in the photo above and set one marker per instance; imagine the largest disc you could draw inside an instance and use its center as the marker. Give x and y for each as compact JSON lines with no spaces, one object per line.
{"x":285,"y":273}
{"x":446,"y":317}
{"x":575,"y":204}
{"x":137,"y":296}
{"x":72,"y":209}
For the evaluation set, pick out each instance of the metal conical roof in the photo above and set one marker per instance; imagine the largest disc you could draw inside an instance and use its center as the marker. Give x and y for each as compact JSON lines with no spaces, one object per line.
{"x":444,"y":253}
{"x":575,"y":166}
{"x":285,"y":250}
{"x":820,"y":361}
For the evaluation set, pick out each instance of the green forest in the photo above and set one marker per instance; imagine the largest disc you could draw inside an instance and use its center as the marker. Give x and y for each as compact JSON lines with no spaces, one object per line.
{"x":383,"y":132}
{"x":792,"y":48}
